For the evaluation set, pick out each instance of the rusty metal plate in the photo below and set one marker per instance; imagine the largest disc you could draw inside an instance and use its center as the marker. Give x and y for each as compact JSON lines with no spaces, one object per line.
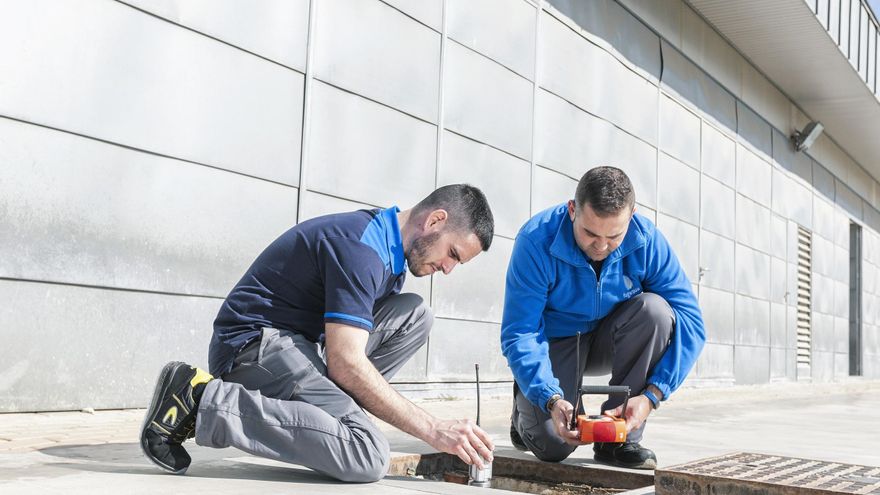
{"x":746,"y":473}
{"x":567,"y":478}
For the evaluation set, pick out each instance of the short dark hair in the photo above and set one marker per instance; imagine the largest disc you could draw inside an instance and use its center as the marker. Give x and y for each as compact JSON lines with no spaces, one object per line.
{"x":467,"y":207}
{"x":607,"y":190}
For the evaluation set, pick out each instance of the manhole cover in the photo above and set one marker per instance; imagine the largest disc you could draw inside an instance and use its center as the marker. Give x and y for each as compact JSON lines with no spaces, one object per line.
{"x":745,"y":473}
{"x":523,"y":475}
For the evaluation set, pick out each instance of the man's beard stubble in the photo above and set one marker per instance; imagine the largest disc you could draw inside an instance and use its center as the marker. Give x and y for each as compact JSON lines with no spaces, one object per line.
{"x":418,"y":252}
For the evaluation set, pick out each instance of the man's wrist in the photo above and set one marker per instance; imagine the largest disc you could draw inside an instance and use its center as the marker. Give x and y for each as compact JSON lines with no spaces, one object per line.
{"x":552,"y":402}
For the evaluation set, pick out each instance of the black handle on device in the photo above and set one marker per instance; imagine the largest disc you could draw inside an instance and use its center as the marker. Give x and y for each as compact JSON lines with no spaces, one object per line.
{"x":609,"y":390}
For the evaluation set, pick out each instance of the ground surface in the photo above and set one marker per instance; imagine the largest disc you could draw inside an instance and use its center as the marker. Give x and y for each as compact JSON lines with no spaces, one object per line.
{"x":77,"y":452}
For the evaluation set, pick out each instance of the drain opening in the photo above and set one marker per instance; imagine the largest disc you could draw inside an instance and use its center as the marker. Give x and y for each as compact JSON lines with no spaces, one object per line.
{"x":522,"y":475}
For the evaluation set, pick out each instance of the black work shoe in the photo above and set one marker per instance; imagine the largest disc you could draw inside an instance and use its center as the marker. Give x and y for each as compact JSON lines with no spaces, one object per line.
{"x":517,"y":440}
{"x":628,"y":455}
{"x":171,"y":418}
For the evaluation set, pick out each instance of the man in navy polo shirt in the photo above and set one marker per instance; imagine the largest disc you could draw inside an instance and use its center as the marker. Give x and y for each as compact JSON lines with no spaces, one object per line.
{"x":311,"y":335}
{"x":593,"y":267}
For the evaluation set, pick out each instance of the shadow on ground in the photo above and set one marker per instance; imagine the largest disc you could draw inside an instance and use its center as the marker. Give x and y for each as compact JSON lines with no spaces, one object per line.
{"x":127,"y":458}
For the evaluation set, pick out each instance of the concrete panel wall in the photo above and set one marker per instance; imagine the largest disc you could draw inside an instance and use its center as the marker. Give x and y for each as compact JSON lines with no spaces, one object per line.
{"x":88,"y":347}
{"x":395,"y":60}
{"x":80,"y":211}
{"x":502,"y":177}
{"x":509,"y":40}
{"x":570,"y":64}
{"x":428,"y":12}
{"x":174,"y":151}
{"x":168,"y":90}
{"x":497,"y":111}
{"x":277,"y":30}
{"x":355,"y":153}
{"x":678,"y":187}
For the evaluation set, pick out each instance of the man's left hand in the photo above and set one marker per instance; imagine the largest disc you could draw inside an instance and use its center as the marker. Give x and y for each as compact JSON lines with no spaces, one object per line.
{"x":637,"y":410}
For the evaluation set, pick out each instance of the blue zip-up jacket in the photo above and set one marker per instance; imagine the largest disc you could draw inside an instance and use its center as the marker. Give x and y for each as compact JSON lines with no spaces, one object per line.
{"x":552,"y":292}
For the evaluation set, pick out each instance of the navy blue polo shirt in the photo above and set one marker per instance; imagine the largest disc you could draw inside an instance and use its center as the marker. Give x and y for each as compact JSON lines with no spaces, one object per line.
{"x":330,"y":269}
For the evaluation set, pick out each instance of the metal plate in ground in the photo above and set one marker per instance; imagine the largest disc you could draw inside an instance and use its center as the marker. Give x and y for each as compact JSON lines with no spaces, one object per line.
{"x":528,"y":476}
{"x":746,"y":473}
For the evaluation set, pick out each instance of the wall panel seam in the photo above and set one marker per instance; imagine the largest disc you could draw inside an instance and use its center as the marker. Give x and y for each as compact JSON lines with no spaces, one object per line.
{"x":619,"y":57}
{"x":308,"y":83}
{"x":110,"y":288}
{"x":145,"y":151}
{"x":410,"y":16}
{"x":489,"y":58}
{"x":206,"y":35}
{"x":469,"y":138}
{"x":386,"y":105}
{"x":533,"y":160}
{"x":603,"y":119}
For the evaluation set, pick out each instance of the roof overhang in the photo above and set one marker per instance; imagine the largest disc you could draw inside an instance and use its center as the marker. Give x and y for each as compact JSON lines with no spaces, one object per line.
{"x":786,"y":41}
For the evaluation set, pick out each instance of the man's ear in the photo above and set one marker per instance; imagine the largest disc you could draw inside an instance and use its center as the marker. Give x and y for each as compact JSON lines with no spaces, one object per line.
{"x":435,"y":220}
{"x":571,"y":209}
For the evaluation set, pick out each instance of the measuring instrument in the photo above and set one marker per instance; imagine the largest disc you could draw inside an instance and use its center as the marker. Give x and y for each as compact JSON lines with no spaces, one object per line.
{"x":598,"y":427}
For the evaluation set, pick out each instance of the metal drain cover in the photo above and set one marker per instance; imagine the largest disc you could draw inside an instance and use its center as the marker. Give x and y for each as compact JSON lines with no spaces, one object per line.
{"x":745,"y":473}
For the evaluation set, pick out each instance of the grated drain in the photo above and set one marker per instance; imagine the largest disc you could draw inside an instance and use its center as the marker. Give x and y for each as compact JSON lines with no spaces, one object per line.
{"x":746,"y":473}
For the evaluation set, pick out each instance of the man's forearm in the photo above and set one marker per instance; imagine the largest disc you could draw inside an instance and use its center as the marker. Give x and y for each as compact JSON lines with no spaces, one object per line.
{"x":362,"y":381}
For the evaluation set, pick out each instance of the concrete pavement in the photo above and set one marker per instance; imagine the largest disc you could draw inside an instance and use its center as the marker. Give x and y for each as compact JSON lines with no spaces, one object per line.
{"x":78,"y":452}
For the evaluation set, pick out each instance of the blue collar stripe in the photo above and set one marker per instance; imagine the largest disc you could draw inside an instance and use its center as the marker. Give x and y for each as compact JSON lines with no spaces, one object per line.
{"x":383,"y":235}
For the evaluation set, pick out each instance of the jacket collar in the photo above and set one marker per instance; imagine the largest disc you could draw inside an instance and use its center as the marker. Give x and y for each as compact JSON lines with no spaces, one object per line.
{"x":566,"y":249}
{"x":394,"y":240}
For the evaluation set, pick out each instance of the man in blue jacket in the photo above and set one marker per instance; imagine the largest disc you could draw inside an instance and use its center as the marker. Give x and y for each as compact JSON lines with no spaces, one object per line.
{"x":595,"y":268}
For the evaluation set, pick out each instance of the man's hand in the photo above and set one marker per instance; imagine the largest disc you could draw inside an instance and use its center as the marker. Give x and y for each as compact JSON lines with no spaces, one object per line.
{"x":561,"y":416}
{"x":349,"y":368}
{"x":637,"y":410}
{"x":462,"y":438}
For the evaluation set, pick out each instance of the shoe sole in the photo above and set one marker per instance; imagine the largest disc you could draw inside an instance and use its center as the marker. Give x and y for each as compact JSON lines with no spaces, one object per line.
{"x":162,"y":385}
{"x":648,"y":464}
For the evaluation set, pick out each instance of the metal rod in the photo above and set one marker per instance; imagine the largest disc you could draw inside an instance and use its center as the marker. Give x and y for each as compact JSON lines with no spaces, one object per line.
{"x":477,"y":369}
{"x":579,"y":375}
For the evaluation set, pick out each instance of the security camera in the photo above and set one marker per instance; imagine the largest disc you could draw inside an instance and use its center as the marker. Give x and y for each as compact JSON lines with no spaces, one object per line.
{"x":805,"y":138}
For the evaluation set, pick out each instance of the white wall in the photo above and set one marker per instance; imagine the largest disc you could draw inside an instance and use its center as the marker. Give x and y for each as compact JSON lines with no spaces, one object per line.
{"x":150,"y":149}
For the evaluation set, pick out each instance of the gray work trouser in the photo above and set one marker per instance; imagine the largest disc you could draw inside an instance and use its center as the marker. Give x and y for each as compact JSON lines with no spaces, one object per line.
{"x":628,"y":343}
{"x":277,"y":401}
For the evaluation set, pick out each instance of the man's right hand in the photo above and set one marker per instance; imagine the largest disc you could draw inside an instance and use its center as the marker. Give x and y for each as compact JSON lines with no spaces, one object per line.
{"x":561,"y":416}
{"x":463,"y":438}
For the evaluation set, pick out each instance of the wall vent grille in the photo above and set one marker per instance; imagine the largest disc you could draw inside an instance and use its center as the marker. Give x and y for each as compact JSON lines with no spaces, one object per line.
{"x":804,"y":302}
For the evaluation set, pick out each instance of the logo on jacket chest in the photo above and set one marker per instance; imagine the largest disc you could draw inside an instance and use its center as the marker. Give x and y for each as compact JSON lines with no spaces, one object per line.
{"x":630,"y":290}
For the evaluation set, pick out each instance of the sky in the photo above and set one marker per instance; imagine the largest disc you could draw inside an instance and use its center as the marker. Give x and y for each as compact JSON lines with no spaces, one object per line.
{"x":875,"y":6}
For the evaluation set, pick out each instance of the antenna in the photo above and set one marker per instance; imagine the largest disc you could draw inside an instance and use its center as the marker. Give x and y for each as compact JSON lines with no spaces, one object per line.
{"x":578,"y":377}
{"x":477,"y":369}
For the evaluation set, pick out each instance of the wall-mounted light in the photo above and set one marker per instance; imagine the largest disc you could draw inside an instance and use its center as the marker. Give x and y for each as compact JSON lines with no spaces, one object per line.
{"x":805,"y":138}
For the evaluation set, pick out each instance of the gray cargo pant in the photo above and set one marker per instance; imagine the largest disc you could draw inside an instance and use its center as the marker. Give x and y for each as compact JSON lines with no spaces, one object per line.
{"x":627,"y":343}
{"x":277,"y":401}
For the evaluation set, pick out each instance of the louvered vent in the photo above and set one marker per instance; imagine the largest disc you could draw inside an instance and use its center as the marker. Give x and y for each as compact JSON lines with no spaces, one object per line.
{"x":804,"y":303}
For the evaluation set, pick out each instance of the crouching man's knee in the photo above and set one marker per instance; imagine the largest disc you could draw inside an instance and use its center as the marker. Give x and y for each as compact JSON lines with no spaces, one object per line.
{"x":555,"y":452}
{"x":367,"y":464}
{"x":655,"y":310}
{"x":543,"y":441}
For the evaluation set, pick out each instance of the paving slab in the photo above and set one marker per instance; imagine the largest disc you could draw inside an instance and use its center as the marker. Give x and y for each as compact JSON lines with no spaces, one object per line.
{"x":75,"y":452}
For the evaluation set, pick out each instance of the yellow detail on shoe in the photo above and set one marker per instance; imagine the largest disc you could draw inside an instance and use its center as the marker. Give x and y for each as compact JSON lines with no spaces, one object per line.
{"x":201,"y":376}
{"x":181,"y":404}
{"x":165,"y":430}
{"x":170,"y":416}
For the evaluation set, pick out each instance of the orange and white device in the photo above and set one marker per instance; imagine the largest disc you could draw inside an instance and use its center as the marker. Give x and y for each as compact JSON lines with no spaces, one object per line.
{"x":604,"y":427}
